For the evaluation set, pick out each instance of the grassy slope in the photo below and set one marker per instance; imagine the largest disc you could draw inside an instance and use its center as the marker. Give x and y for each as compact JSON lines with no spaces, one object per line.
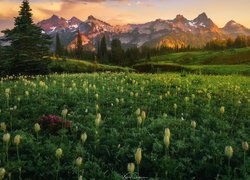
{"x":211,"y":62}
{"x":78,"y":66}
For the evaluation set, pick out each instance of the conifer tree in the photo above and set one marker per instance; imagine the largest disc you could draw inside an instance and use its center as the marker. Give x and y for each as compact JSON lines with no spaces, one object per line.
{"x":59,"y":47}
{"x":79,"y":46}
{"x":29,"y":46}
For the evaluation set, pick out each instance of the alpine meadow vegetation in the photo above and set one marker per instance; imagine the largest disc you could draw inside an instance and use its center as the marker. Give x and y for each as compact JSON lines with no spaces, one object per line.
{"x":124,"y":125}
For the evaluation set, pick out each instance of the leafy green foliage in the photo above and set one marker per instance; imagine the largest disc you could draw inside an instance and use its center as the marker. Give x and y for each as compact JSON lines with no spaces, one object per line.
{"x":194,"y":153}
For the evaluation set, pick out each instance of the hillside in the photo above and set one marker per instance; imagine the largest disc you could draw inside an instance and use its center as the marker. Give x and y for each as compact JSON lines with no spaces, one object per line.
{"x":210,"y":62}
{"x":80,"y":66}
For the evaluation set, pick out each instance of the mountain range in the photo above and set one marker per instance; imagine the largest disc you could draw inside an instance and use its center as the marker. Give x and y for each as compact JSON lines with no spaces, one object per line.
{"x":178,"y":31}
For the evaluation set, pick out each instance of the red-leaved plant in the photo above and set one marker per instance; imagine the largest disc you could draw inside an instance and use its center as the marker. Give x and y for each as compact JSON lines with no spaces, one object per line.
{"x":53,"y":123}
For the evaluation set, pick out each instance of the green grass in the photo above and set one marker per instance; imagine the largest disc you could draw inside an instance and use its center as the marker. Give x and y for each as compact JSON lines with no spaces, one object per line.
{"x":230,"y":56}
{"x":193,"y":153}
{"x":232,"y":61}
{"x":81,"y":66}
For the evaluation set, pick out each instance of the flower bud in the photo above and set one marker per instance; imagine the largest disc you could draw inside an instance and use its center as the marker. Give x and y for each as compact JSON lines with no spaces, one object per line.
{"x":37,"y":127}
{"x":98,"y":120}
{"x":17,"y":139}
{"x":6,"y":137}
{"x":84,"y":137}
{"x":222,"y":110}
{"x":167,"y":132}
{"x":175,"y":106}
{"x":193,"y":124}
{"x":78,"y":161}
{"x":2,"y":173}
{"x":138,"y":112}
{"x":3,"y":126}
{"x":64,"y":112}
{"x":143,"y":115}
{"x":245,"y":146}
{"x":59,"y":153}
{"x":166,"y":140}
{"x":138,"y":156}
{"x":131,"y":168}
{"x":139,"y":120}
{"x":229,"y":151}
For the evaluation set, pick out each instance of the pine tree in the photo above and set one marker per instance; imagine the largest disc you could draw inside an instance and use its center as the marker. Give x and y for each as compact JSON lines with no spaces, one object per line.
{"x":103,"y":48}
{"x":79,"y":46}
{"x":59,"y":48}
{"x":29,"y":46}
{"x":117,"y":53}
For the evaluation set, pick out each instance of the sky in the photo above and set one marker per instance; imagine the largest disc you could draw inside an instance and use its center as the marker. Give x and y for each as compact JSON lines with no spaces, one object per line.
{"x":130,"y":11}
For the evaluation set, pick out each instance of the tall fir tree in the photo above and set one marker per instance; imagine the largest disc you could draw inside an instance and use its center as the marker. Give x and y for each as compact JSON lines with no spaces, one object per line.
{"x":79,"y":46}
{"x":103,"y":49}
{"x":117,"y":53}
{"x":59,"y":47}
{"x":29,"y":46}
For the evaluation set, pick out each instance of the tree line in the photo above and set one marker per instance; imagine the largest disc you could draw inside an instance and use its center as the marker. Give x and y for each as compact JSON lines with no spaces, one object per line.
{"x":240,"y":41}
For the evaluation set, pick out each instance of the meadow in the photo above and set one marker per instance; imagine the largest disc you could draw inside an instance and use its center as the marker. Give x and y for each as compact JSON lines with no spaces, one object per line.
{"x":221,"y":62}
{"x":125,"y":125}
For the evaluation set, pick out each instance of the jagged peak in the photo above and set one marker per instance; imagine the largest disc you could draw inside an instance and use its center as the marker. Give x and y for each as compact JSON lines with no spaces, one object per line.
{"x":201,"y":18}
{"x":91,"y":17}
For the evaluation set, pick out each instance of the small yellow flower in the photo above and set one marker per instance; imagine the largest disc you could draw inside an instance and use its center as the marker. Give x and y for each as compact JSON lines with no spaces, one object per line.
{"x":17,"y":139}
{"x":78,"y":161}
{"x":222,"y":110}
{"x":245,"y":146}
{"x":143,"y":115}
{"x":193,"y":124}
{"x":138,"y":156}
{"x":64,"y":112}
{"x":131,"y":168}
{"x":37,"y":127}
{"x":6,"y":137}
{"x":166,"y":140}
{"x":138,"y":112}
{"x":84,"y":137}
{"x":3,"y":126}
{"x":98,"y":120}
{"x":167,"y":132}
{"x":2,"y":173}
{"x":59,"y":153}
{"x":229,"y":151}
{"x":175,"y":106}
{"x":139,"y":120}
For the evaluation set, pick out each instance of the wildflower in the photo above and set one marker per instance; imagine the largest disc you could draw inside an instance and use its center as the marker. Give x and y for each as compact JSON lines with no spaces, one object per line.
{"x":138,"y":112}
{"x":167,"y":132}
{"x":17,"y":139}
{"x":138,"y":156}
{"x":3,"y":126}
{"x":166,"y":140}
{"x":96,"y":96}
{"x":98,"y":120}
{"x":78,"y":161}
{"x":84,"y":137}
{"x":6,"y":137}
{"x":229,"y":151}
{"x":143,"y":115}
{"x":165,"y":115}
{"x":139,"y":120}
{"x":2,"y":173}
{"x":27,"y":93}
{"x":193,"y":124}
{"x":222,"y":110}
{"x":186,"y":99}
{"x":64,"y":112}
{"x":131,"y":168}
{"x":37,"y":127}
{"x":59,"y":153}
{"x":245,"y":146}
{"x":175,"y":106}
